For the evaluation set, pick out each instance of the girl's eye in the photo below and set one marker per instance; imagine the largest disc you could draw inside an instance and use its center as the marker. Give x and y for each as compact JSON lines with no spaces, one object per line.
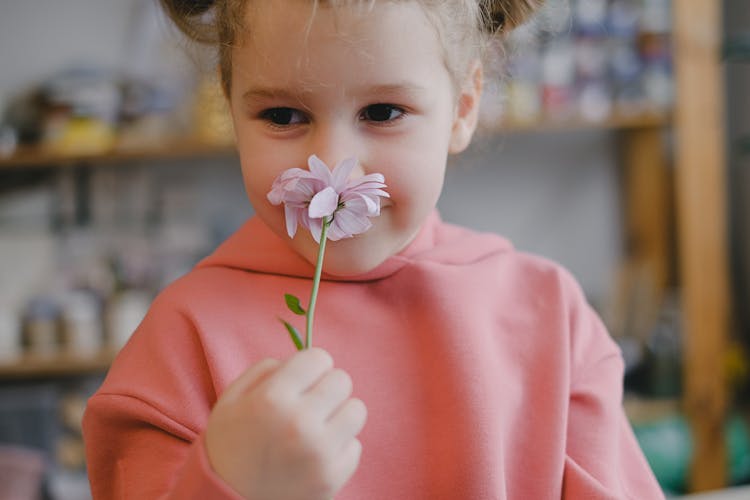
{"x":381,"y":113}
{"x":283,"y":116}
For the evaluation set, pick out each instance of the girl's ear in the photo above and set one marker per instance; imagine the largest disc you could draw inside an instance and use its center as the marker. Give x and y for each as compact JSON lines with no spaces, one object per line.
{"x":467,"y":109}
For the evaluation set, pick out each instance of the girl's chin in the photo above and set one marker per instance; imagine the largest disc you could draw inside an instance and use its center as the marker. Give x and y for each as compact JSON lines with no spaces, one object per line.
{"x":351,"y":257}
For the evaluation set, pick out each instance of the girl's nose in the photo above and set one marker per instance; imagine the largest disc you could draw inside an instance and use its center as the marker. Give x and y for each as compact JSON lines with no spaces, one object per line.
{"x":333,"y":144}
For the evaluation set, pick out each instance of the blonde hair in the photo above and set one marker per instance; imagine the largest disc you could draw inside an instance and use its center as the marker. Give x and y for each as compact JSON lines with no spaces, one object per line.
{"x":464,"y":26}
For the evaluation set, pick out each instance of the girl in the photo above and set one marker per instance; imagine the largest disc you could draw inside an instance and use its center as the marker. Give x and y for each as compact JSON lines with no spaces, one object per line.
{"x":482,"y":372}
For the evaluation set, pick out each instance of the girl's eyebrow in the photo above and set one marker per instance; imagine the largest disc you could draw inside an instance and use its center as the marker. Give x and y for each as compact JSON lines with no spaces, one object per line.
{"x":259,"y":93}
{"x":393,"y":89}
{"x":381,"y":90}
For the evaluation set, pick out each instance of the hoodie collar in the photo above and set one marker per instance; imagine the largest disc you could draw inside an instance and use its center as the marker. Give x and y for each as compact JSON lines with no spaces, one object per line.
{"x":254,"y":247}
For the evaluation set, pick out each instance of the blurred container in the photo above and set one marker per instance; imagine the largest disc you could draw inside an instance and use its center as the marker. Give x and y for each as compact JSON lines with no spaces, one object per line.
{"x":594,"y":101}
{"x":42,"y":332}
{"x":81,"y":135}
{"x":558,"y":77}
{"x":624,"y":18}
{"x":21,"y":473}
{"x":524,"y":88}
{"x":125,"y":312}
{"x":83,"y":332}
{"x":10,"y":335}
{"x":656,"y":16}
{"x":612,"y":57}
{"x":590,"y":16}
{"x":85,"y":91}
{"x":8,"y":141}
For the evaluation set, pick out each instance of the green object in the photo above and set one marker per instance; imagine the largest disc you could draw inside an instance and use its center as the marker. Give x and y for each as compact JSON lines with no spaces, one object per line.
{"x":292,"y":303}
{"x":294,"y":335}
{"x":668,"y":447}
{"x":316,"y":282}
{"x":737,"y":436}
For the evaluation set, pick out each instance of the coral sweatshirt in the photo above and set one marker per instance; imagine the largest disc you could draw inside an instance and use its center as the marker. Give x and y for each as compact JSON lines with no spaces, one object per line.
{"x":485,"y":373}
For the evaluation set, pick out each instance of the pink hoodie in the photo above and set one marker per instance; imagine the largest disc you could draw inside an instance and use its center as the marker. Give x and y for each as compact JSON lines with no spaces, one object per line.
{"x":485,"y":373}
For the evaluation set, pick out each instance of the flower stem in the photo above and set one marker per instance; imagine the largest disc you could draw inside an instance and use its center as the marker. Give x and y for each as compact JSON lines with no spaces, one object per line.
{"x":316,"y":283}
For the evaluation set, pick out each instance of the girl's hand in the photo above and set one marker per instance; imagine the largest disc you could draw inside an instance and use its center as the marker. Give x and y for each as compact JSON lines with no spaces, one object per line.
{"x":287,"y":430}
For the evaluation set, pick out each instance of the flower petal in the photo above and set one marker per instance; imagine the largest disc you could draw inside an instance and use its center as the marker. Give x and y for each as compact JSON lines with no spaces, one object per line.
{"x":361,"y":205}
{"x":310,"y":196}
{"x":340,"y":175}
{"x":376,"y":177}
{"x":373,"y":205}
{"x":275,"y":197}
{"x":316,"y":228}
{"x":370,"y":185}
{"x":291,"y":215}
{"x":350,"y":223}
{"x":319,"y":169}
{"x":291,"y":185}
{"x":323,"y":204}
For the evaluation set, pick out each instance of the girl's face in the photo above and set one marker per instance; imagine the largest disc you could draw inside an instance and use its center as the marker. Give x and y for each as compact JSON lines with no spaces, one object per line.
{"x":339,"y":83}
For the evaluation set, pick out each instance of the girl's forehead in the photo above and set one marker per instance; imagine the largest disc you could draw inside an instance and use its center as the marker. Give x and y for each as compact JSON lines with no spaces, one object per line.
{"x":347,"y":22}
{"x":287,"y":39}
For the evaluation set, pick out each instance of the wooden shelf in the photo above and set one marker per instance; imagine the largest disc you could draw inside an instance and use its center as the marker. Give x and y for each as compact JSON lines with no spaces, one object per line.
{"x":613,"y":122}
{"x":27,"y":156}
{"x":29,"y":366}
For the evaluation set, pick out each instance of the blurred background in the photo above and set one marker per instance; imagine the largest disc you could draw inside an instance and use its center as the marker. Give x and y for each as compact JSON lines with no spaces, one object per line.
{"x":615,"y":139}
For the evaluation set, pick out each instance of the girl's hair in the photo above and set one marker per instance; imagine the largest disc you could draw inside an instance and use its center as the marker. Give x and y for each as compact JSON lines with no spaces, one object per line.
{"x":464,"y":26}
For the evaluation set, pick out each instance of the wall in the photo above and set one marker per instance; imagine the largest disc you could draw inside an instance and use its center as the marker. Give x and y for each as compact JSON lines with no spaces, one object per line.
{"x":40,"y":37}
{"x":554,"y":194}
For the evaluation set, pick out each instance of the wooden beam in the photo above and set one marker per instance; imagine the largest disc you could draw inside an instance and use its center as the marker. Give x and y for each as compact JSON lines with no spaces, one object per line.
{"x":648,"y":221}
{"x":700,"y":178}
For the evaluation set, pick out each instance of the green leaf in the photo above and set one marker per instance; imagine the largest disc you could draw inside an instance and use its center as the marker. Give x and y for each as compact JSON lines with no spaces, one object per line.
{"x":293,"y":304}
{"x":294,"y":335}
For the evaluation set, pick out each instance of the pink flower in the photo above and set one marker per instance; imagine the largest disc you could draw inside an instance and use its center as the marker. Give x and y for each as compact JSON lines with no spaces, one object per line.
{"x":310,"y":197}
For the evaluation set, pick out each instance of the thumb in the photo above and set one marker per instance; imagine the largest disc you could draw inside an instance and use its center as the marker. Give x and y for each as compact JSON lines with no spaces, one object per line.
{"x":250,"y":379}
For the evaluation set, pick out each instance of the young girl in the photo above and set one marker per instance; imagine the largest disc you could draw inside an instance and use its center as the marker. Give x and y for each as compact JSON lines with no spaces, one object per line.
{"x":481,"y":371}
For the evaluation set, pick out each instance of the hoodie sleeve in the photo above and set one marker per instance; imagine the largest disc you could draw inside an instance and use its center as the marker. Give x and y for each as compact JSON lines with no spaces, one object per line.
{"x":134,"y":451}
{"x":143,"y":429}
{"x":603,"y":459}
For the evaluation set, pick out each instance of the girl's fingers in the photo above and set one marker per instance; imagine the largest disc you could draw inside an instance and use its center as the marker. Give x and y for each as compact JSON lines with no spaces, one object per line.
{"x":250,"y":379}
{"x":347,"y":422}
{"x":297,"y":374}
{"x":328,"y":393}
{"x":346,"y":463}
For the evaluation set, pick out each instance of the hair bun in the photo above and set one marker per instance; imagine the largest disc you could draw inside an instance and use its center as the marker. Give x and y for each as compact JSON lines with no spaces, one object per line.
{"x":504,"y":15}
{"x":188,"y":17}
{"x":189,"y":7}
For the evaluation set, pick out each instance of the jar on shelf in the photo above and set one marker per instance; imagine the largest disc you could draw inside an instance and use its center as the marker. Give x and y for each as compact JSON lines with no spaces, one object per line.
{"x":125,"y":312}
{"x":82,"y":323}
{"x":41,"y":336}
{"x":10,"y":335}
